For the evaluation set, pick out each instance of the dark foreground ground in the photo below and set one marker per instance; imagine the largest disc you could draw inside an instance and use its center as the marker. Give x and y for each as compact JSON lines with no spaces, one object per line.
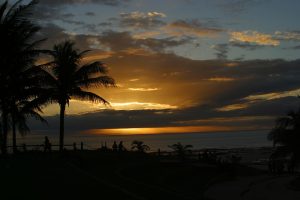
{"x":95,"y":175}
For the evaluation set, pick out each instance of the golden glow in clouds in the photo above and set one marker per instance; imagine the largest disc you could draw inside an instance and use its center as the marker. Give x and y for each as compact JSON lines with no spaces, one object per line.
{"x":158,"y":130}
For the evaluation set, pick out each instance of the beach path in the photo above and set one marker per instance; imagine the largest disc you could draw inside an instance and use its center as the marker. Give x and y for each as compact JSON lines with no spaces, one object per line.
{"x":255,"y":188}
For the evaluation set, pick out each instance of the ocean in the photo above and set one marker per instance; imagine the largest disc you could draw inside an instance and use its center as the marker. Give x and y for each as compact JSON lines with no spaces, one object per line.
{"x":158,"y":141}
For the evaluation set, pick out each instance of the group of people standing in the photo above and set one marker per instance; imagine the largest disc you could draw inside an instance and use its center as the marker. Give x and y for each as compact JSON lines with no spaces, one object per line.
{"x":118,"y":147}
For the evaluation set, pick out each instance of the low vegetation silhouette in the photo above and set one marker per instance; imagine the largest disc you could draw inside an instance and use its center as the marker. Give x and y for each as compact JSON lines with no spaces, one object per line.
{"x":286,"y":141}
{"x":139,"y":146}
{"x":181,"y":150}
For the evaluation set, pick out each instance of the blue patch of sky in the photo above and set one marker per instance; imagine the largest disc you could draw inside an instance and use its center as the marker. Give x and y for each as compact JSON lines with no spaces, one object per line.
{"x":268,"y":17}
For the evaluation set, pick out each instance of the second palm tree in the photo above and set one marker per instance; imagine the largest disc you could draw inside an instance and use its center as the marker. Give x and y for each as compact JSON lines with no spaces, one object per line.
{"x":67,"y":79}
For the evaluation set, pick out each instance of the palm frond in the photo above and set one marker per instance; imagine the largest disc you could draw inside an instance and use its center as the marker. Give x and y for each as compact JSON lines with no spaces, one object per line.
{"x":13,"y":7}
{"x":30,"y":47}
{"x":81,"y":54}
{"x":87,"y":70}
{"x":23,"y":128}
{"x":19,"y":14}
{"x":36,"y":115}
{"x":283,"y":122}
{"x":89,"y":96}
{"x":105,"y":81}
{"x":2,"y":10}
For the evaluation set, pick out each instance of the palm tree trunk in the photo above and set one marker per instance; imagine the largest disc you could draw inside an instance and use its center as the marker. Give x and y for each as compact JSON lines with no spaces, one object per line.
{"x":14,"y":136}
{"x":5,"y":132}
{"x":62,"y":126}
{"x":1,"y":135}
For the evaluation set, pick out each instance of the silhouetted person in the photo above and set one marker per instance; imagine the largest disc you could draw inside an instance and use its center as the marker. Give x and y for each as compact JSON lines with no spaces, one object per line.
{"x":271,"y":165}
{"x":205,"y":155}
{"x":47,"y":145}
{"x":121,"y":147}
{"x":74,"y":146}
{"x":24,"y":148}
{"x":279,"y":166}
{"x":115,"y":146}
{"x":105,"y":147}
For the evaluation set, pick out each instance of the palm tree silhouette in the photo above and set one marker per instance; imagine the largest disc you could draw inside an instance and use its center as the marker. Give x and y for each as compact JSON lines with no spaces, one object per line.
{"x":67,"y":78}
{"x":19,"y":78}
{"x":139,"y":146}
{"x":286,"y":133}
{"x":181,"y":150}
{"x":20,"y":112}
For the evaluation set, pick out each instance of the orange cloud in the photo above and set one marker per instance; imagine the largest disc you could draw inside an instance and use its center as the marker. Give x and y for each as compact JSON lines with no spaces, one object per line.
{"x":232,"y":64}
{"x":141,"y":106}
{"x":181,"y":27}
{"x":220,"y":79}
{"x":144,"y":89}
{"x":134,"y":80}
{"x":232,"y":107}
{"x":216,"y":120}
{"x":77,"y":107}
{"x":273,"y":95}
{"x":146,"y":34}
{"x":137,"y":51}
{"x":253,"y":37}
{"x":97,"y":56}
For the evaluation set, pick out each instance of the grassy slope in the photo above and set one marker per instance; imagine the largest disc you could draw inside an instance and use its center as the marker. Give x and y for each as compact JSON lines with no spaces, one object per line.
{"x":87,"y":175}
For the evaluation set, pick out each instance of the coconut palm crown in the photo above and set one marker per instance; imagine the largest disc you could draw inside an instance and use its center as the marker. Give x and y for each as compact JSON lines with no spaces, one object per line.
{"x":68,"y":78}
{"x":286,"y":133}
{"x":19,"y":77}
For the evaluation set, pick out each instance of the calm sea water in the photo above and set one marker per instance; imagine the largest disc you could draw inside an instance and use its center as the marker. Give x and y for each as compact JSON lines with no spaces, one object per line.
{"x":161,"y":141}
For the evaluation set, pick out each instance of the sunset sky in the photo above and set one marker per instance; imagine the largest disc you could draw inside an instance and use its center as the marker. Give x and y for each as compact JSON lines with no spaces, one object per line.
{"x":198,"y":65}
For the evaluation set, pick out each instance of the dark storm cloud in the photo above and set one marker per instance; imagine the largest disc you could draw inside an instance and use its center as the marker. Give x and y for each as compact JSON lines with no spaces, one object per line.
{"x":293,"y":36}
{"x":53,"y":35}
{"x":90,"y":14}
{"x":105,"y":24}
{"x":53,"y":9}
{"x":255,"y":77}
{"x":44,"y":12}
{"x":56,"y":34}
{"x":221,"y":51}
{"x":245,"y":45}
{"x":68,"y":15}
{"x":216,"y":83}
{"x":261,"y":115}
{"x":194,"y":27}
{"x":275,"y":107}
{"x":296,"y":47}
{"x":68,"y":2}
{"x":201,"y":87}
{"x":118,"y":41}
{"x":238,"y":6}
{"x":249,"y":77}
{"x":73,"y":22}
